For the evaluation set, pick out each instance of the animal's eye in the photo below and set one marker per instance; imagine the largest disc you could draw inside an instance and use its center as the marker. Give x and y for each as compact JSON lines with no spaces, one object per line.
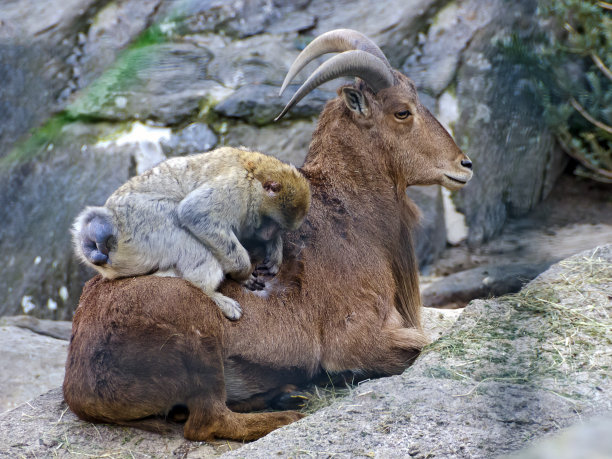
{"x":402,"y":115}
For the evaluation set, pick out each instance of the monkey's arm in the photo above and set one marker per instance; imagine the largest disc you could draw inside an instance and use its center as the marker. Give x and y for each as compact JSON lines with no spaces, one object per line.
{"x":210,"y":213}
{"x":274,"y":256}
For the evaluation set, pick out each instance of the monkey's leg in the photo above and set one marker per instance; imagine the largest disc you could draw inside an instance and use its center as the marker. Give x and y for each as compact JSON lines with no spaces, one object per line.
{"x":229,"y":307}
{"x":207,"y":213}
{"x":166,"y":273}
{"x":207,"y":274}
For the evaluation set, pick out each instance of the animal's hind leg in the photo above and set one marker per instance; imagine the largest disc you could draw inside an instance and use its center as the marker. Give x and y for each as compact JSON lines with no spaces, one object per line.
{"x":209,"y":417}
{"x":287,"y":397}
{"x":205,"y":423}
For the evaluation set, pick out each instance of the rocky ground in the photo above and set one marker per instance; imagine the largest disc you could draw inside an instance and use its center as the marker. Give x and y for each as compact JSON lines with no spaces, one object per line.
{"x":510,"y":371}
{"x":576,"y":216}
{"x":31,"y":364}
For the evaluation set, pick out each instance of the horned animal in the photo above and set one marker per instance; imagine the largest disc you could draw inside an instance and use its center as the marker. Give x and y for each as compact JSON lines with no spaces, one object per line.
{"x":187,"y":217}
{"x":345,"y":303}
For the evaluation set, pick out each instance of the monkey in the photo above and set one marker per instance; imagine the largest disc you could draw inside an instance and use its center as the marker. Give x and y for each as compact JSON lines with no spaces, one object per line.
{"x":187,"y":216}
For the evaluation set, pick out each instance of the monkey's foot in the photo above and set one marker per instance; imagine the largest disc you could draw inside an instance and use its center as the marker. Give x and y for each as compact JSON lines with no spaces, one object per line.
{"x":230,"y":308}
{"x":95,"y":237}
{"x":254,"y":283}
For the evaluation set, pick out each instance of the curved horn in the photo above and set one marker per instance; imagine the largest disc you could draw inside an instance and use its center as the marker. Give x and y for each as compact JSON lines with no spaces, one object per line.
{"x":349,"y":63}
{"x":334,"y":41}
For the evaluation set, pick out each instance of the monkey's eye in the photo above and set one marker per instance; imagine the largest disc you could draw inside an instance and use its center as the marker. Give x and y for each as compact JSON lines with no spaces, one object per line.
{"x":402,"y":115}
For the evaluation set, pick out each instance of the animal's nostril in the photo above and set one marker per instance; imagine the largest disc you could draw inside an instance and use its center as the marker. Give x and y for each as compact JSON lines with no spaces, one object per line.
{"x":466,"y":163}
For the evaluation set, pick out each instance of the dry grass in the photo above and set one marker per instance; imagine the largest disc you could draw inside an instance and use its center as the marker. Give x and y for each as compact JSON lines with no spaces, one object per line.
{"x":554,"y":329}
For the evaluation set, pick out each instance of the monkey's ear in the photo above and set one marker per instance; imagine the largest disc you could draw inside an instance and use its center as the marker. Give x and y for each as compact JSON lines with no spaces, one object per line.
{"x":272,"y":187}
{"x":356,"y":101}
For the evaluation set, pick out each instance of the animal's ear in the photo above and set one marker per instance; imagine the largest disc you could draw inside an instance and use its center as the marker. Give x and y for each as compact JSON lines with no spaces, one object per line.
{"x":272,"y":187}
{"x":356,"y":101}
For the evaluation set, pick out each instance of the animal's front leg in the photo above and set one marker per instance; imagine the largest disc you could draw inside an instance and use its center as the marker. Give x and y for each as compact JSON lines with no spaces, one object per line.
{"x":398,"y":347}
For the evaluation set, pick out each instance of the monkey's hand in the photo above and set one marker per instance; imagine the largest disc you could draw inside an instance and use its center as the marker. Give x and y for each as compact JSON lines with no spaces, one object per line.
{"x":274,"y":257}
{"x":254,"y":283}
{"x":268,"y":268}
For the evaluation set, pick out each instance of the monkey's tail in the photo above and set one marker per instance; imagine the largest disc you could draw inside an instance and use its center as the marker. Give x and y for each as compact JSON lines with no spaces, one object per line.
{"x":92,"y":234}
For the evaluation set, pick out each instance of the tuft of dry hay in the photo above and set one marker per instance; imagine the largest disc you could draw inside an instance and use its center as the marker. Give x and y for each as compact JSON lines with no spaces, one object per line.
{"x":557,"y":328}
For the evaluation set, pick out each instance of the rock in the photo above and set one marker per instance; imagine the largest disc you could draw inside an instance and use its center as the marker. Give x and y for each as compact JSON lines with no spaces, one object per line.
{"x":295,"y":21}
{"x":52,"y":21}
{"x":262,"y":59}
{"x":436,"y":322}
{"x":164,"y":82}
{"x":260,"y":104}
{"x":195,"y":138}
{"x":510,"y":371}
{"x":516,"y":160}
{"x":430,"y":235}
{"x":589,"y":439}
{"x":238,"y":19}
{"x":258,"y":12}
{"x":143,"y":142}
{"x":31,"y":364}
{"x":112,"y":29}
{"x":393,"y":25}
{"x":287,"y":141}
{"x":22,"y":91}
{"x":46,"y":427}
{"x":39,"y":200}
{"x":58,"y":329}
{"x":433,"y":64}
{"x":481,"y":282}
{"x":34,"y":48}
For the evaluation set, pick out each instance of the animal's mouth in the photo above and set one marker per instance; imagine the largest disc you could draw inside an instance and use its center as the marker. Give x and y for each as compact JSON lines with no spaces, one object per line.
{"x":460,"y":180}
{"x":455,"y":182}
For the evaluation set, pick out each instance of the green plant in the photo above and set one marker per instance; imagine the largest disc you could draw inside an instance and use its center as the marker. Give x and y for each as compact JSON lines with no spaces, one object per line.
{"x":570,"y":69}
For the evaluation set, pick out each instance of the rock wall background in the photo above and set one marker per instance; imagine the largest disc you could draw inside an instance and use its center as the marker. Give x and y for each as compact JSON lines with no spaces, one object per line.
{"x":97,"y":90}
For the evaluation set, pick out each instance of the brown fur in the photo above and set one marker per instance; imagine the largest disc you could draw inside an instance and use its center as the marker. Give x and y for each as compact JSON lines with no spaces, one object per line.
{"x":345,"y":300}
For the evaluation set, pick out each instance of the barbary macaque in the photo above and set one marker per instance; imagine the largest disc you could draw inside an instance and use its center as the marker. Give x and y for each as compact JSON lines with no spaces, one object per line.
{"x":187,"y":217}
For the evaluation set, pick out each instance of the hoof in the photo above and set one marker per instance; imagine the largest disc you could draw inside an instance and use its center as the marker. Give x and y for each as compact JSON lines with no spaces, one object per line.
{"x":290,"y":401}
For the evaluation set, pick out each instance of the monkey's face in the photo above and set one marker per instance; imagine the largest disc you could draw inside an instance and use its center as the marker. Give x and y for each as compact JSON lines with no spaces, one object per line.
{"x":287,"y":201}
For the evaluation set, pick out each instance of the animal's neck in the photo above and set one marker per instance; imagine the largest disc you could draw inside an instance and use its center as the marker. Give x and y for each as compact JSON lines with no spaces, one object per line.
{"x":347,"y":158}
{"x":347,"y":169}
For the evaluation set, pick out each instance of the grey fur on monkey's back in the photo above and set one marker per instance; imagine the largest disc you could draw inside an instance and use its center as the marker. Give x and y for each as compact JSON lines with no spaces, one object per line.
{"x":139,"y":205}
